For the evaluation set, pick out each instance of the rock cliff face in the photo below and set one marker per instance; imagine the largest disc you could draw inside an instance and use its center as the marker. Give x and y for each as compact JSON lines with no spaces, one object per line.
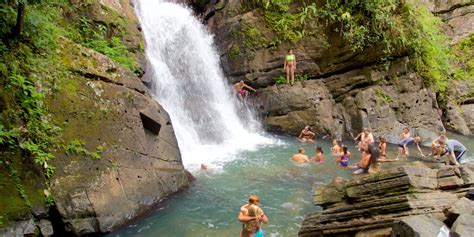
{"x":105,"y":106}
{"x":108,"y":106}
{"x":382,"y":202}
{"x":347,"y":89}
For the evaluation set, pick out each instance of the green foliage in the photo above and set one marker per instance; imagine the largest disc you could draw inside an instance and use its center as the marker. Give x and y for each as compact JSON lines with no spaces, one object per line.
{"x":95,"y":37}
{"x":304,"y":77}
{"x":234,"y":51}
{"x":78,"y":147}
{"x":383,"y":96}
{"x":464,"y":58}
{"x":290,"y":25}
{"x":18,"y":185}
{"x":280,"y":80}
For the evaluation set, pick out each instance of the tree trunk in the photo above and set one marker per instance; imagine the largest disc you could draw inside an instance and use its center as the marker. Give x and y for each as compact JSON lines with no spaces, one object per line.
{"x":20,"y":19}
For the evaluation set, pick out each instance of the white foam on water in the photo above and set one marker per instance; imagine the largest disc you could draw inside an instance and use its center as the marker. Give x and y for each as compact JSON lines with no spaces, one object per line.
{"x":188,"y":82}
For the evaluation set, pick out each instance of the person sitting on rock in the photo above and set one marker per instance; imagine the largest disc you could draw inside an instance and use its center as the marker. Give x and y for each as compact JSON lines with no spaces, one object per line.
{"x":290,"y":66}
{"x":362,"y":167}
{"x":300,"y":157}
{"x":403,"y":149}
{"x":240,"y":88}
{"x":306,"y":135}
{"x":319,"y":158}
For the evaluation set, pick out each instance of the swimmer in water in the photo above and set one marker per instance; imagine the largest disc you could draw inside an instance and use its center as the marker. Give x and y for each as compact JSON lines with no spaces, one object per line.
{"x":344,"y":158}
{"x":319,"y":158}
{"x":290,"y":67}
{"x":300,"y":157}
{"x":336,"y":148}
{"x":240,"y":89}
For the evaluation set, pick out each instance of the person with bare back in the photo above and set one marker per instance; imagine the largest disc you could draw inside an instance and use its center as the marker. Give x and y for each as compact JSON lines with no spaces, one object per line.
{"x":240,"y":89}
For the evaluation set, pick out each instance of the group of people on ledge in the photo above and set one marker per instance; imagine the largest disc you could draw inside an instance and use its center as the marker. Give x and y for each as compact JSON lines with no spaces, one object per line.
{"x":372,"y":153}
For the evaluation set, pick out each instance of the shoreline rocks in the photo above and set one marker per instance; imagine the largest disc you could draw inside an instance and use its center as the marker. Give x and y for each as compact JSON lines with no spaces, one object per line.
{"x":377,"y":201}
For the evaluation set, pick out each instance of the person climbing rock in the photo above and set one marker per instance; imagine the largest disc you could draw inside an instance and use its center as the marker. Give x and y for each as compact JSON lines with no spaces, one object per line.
{"x":240,"y":89}
{"x":403,"y":149}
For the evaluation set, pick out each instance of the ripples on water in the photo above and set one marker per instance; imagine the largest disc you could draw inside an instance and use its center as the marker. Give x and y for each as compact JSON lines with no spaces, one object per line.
{"x":210,"y":206}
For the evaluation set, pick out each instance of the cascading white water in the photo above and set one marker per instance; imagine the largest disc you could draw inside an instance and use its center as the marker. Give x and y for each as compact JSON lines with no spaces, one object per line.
{"x":190,"y":85}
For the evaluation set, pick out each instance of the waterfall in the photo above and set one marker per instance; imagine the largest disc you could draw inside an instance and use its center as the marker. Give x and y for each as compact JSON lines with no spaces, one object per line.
{"x":188,"y":82}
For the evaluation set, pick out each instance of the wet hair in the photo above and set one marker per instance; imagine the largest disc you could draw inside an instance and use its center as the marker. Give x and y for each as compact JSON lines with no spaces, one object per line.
{"x":252,"y":210}
{"x":289,"y":50}
{"x":374,"y":153}
{"x":319,"y":149}
{"x":382,"y":139}
{"x":344,"y":149}
{"x":254,"y":199}
{"x":300,"y":150}
{"x":406,"y":128}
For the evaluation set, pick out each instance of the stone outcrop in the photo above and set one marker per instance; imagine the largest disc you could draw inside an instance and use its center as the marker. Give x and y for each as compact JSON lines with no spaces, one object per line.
{"x":347,"y":89}
{"x":107,"y":105}
{"x":381,"y":200}
{"x":132,"y":160}
{"x":374,"y":96}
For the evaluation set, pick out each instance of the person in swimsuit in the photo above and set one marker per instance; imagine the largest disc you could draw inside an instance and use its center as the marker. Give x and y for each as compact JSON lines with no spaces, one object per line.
{"x":319,"y":158}
{"x":290,"y":67}
{"x":240,"y":89}
{"x":300,"y":157}
{"x":252,"y":216}
{"x":306,"y":134}
{"x":436,"y":151}
{"x":362,"y":167}
{"x":343,"y":160}
{"x":403,"y":149}
{"x":336,"y":148}
{"x":365,"y":137}
{"x":383,"y":149}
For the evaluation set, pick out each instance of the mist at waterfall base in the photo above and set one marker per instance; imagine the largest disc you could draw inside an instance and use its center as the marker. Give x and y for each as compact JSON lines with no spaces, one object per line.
{"x":211,"y":125}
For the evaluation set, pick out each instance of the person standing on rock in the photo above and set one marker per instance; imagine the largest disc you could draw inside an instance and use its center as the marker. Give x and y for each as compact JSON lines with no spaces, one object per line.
{"x":290,"y":67}
{"x":252,"y":218}
{"x":240,"y":89}
{"x":300,"y":157}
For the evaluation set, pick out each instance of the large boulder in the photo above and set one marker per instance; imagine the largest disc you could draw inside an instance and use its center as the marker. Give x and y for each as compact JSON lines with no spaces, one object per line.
{"x":418,"y":226}
{"x":375,"y":202}
{"x":463,"y":206}
{"x":464,"y":225}
{"x":105,"y":105}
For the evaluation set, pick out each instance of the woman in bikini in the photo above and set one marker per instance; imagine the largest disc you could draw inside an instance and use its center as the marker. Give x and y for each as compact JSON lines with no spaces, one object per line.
{"x":290,"y":67}
{"x":344,"y":158}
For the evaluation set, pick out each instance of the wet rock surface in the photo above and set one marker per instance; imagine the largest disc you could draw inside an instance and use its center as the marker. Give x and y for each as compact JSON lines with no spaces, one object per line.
{"x":395,"y":198}
{"x":354,"y":89}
